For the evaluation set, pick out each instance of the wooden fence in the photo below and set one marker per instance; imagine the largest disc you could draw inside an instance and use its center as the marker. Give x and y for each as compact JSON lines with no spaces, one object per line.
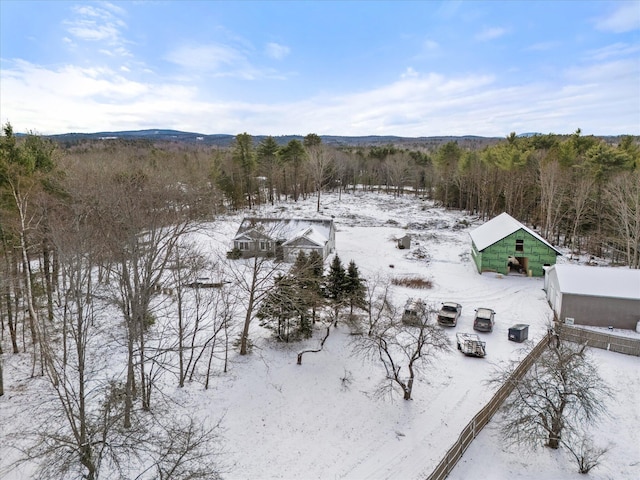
{"x":474,"y":427}
{"x":605,"y":341}
{"x":628,"y":346}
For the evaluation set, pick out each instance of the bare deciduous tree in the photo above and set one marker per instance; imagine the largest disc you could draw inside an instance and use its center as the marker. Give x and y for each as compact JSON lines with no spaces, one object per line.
{"x":623,"y":197}
{"x":204,"y":312}
{"x":585,"y":453}
{"x":560,"y":393}
{"x":81,"y":418}
{"x":182,"y":449}
{"x":143,"y":216}
{"x":404,"y":349}
{"x":253,"y":278}
{"x":377,"y":301}
{"x":397,"y":172}
{"x":552,"y":185}
{"x":318,"y":165}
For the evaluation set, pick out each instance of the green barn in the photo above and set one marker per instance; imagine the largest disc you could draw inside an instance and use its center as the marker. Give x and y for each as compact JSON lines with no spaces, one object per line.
{"x":506,"y":246}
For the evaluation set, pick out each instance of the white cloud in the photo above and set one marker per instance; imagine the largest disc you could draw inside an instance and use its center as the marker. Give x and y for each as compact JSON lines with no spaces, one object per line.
{"x":277,"y":51}
{"x":625,"y":18}
{"x":430,"y":45}
{"x":615,"y":50}
{"x":209,"y":57}
{"x":218,"y":60}
{"x":90,"y":31}
{"x":100,"y":23}
{"x":409,"y":73}
{"x":73,"y":99}
{"x":543,"y":46}
{"x":602,"y":98}
{"x":491,"y":33}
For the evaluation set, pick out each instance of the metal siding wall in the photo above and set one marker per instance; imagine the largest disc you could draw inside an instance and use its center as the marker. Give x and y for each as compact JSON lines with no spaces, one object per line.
{"x":601,"y":312}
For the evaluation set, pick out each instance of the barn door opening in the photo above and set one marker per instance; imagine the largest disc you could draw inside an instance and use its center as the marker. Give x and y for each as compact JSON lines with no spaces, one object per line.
{"x":518,"y":265}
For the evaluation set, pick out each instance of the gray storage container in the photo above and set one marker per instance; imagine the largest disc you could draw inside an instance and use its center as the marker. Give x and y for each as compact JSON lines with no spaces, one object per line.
{"x":519,"y":332}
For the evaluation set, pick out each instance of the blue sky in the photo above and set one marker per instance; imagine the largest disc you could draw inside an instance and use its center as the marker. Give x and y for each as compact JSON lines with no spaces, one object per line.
{"x":414,"y":68}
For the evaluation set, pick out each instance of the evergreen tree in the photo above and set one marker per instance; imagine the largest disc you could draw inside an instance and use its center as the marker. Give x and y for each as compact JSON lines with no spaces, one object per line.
{"x":313,"y":281}
{"x":308,"y":271}
{"x":267,"y":156}
{"x":301,"y":265}
{"x":244,"y":156}
{"x":279,"y":307}
{"x":355,"y":290}
{"x":294,"y":154}
{"x":336,"y":285}
{"x":290,"y":308}
{"x":317,"y":264}
{"x":336,"y":280}
{"x":302,"y":277}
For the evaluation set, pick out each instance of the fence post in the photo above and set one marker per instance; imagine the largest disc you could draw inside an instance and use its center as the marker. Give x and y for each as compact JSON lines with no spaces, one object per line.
{"x":445,"y":466}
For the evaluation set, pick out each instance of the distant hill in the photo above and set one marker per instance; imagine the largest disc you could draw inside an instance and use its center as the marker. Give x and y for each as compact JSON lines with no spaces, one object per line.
{"x":224,"y":140}
{"x":158,"y":135}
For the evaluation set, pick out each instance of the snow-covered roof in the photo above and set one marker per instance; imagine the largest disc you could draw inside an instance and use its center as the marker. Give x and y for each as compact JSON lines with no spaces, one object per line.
{"x":612,"y":282}
{"x":498,"y":228}
{"x":286,"y":228}
{"x":311,"y":234}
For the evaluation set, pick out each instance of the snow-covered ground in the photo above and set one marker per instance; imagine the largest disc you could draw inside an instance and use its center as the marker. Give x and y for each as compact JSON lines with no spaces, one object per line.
{"x":323,"y":420}
{"x":488,"y":457}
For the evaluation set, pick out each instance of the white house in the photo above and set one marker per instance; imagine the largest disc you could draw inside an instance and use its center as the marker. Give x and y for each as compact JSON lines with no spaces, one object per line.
{"x":285,"y":237}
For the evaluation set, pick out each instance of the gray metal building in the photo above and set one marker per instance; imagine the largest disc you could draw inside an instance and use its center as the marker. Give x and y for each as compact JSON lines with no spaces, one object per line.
{"x":595,"y":296}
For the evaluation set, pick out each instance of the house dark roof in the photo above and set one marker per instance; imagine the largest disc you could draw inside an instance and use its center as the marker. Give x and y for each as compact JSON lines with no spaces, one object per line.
{"x":498,"y":228}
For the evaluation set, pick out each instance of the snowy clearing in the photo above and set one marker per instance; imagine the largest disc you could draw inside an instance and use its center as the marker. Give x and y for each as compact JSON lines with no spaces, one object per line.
{"x":323,"y":419}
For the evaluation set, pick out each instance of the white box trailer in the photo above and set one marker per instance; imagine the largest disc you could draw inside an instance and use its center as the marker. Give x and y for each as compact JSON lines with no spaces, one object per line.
{"x":471,"y":345}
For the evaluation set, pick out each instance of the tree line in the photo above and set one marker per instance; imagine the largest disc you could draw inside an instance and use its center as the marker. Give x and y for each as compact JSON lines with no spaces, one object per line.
{"x":95,"y":244}
{"x":580,"y":192}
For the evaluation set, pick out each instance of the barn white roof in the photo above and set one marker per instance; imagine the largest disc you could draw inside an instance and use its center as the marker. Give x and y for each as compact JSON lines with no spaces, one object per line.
{"x":499,"y":227}
{"x":612,"y":282}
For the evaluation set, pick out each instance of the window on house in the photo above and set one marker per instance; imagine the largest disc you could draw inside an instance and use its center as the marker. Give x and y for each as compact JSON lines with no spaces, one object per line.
{"x":265,"y":245}
{"x":243,"y":245}
{"x":519,"y":245}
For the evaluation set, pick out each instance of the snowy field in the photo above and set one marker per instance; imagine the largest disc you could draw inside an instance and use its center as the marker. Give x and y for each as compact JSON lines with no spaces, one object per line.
{"x":323,"y":419}
{"x":487,"y":457}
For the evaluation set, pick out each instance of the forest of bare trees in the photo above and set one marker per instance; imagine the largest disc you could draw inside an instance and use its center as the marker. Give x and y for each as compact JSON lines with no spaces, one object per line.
{"x":108,"y":220}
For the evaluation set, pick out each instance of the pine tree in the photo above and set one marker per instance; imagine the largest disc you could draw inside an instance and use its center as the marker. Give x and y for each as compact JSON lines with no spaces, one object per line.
{"x":316,"y":263}
{"x":336,"y":280}
{"x":336,"y":285}
{"x":279,"y":307}
{"x":355,"y":290}
{"x":308,"y":271}
{"x":290,"y":307}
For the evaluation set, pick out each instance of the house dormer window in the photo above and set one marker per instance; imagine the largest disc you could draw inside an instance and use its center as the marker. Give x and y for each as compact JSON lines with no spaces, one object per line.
{"x":519,"y":245}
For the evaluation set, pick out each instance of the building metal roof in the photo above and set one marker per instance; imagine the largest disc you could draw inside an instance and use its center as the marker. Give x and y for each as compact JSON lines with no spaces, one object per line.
{"x":610,"y":282}
{"x":498,"y":228}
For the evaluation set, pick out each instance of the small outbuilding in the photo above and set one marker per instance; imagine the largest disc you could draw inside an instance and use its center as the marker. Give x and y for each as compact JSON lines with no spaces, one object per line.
{"x":506,"y":246}
{"x":595,"y":296}
{"x":404,"y":242}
